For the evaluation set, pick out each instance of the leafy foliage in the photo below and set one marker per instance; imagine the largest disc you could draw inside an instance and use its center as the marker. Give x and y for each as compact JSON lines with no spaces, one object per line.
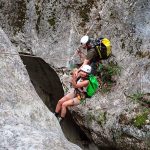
{"x":140,"y":119}
{"x":141,"y":98}
{"x":137,"y":96}
{"x":106,"y":73}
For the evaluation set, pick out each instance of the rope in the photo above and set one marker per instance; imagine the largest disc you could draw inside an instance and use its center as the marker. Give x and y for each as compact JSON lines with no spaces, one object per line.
{"x":78,"y":49}
{"x":74,"y":54}
{"x":75,"y":28}
{"x":91,"y":26}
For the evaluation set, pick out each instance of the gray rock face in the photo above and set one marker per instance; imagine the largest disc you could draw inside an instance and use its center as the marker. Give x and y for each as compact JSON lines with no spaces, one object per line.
{"x":52,"y":30}
{"x":25,"y":122}
{"x":45,"y":80}
{"x":38,"y":27}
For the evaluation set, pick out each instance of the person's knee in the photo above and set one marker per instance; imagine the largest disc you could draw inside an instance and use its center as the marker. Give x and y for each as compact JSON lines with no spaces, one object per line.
{"x":64,"y":105}
{"x":61,"y":101}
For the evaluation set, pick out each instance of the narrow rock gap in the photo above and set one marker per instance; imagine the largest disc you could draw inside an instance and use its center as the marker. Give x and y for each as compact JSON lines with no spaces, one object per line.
{"x":49,"y":88}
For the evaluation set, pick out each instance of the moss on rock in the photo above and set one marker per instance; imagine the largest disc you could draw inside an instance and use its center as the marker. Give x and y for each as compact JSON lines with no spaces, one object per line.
{"x":101,"y":118}
{"x":52,"y":21}
{"x":19,"y":18}
{"x":90,"y":117}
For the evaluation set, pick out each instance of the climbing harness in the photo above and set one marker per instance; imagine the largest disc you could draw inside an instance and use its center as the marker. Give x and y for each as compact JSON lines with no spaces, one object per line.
{"x":91,"y":26}
{"x":81,"y":96}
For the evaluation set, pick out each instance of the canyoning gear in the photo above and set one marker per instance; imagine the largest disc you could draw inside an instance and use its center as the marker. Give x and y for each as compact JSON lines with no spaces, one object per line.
{"x":98,"y":49}
{"x":103,"y":48}
{"x":80,"y":95}
{"x":81,"y":92}
{"x":83,"y":89}
{"x":84,"y":39}
{"x":76,"y":101}
{"x":92,"y":86}
{"x":90,"y":90}
{"x":86,"y":68}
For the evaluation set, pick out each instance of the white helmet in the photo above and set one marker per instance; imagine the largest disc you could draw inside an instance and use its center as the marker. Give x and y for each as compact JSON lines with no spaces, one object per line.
{"x":86,"y":68}
{"x":84,"y":39}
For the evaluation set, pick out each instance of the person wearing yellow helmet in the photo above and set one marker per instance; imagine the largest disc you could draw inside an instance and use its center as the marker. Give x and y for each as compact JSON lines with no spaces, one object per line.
{"x":76,"y":94}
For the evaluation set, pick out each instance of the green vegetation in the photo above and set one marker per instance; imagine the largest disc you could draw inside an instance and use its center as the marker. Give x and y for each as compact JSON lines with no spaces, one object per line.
{"x":144,"y":100}
{"x":141,"y":98}
{"x":113,"y":69}
{"x":52,"y":21}
{"x":19,"y":19}
{"x":83,"y":9}
{"x":141,"y":54}
{"x":106,"y":73}
{"x":137,"y":96}
{"x":38,"y":12}
{"x":89,"y":117}
{"x":101,"y":118}
{"x":140,"y":119}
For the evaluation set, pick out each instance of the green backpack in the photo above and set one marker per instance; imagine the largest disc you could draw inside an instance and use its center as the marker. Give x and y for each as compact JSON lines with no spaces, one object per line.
{"x":92,"y":86}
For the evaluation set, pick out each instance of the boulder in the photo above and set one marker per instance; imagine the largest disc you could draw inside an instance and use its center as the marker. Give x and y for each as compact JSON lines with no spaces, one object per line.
{"x":26,"y":123}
